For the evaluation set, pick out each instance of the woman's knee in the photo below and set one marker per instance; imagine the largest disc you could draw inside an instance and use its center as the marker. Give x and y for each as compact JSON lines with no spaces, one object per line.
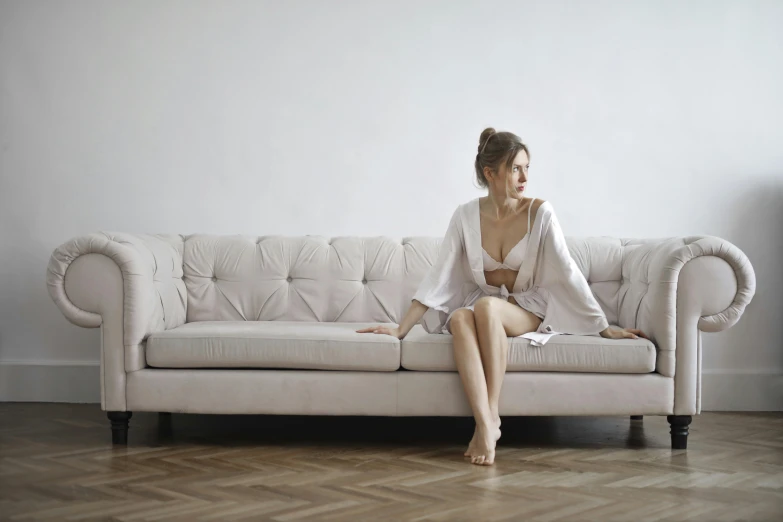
{"x":463,"y":318}
{"x":486,"y":308}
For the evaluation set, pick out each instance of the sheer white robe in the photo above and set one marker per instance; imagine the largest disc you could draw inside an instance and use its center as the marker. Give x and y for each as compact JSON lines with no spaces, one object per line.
{"x":549,"y":284}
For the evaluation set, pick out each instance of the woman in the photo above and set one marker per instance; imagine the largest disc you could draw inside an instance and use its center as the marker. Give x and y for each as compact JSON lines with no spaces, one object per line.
{"x":465,"y":293}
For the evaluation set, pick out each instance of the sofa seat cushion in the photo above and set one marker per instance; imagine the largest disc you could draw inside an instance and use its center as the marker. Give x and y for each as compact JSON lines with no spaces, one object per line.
{"x":273,"y":344}
{"x":563,"y":353}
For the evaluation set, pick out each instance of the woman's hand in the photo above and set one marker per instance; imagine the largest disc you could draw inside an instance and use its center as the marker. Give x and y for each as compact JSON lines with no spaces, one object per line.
{"x":623,"y":333}
{"x":382,"y":330}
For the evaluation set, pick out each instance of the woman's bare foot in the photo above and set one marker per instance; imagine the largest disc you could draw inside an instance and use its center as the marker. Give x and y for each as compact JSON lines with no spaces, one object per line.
{"x":484,"y":449}
{"x":472,"y":445}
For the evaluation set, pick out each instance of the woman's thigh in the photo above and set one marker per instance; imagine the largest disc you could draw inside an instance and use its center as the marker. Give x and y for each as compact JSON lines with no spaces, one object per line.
{"x":515,"y":319}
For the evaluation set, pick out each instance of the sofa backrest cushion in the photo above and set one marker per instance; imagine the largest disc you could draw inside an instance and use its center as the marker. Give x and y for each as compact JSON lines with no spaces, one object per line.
{"x":352,"y":279}
{"x":308,"y":278}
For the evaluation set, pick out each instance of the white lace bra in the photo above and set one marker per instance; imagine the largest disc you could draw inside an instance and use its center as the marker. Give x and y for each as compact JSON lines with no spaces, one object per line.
{"x":515,"y":257}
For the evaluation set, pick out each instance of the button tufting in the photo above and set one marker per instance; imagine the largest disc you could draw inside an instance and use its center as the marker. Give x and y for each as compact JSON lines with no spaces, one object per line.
{"x":289,"y":279}
{"x":364,"y":281}
{"x":214,"y":278}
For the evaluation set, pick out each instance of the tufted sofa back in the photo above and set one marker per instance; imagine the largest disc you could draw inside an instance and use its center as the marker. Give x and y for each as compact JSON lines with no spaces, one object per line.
{"x":354,"y":279}
{"x":309,"y":278}
{"x":343,"y":279}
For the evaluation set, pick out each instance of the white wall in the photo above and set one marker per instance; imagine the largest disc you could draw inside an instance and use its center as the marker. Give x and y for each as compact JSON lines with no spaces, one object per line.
{"x":644,"y":119}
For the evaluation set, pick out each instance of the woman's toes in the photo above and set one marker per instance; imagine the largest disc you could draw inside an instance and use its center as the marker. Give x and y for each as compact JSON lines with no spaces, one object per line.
{"x":484,"y":451}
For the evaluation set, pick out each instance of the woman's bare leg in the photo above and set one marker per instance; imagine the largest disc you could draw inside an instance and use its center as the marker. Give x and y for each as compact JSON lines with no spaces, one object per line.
{"x":471,"y":371}
{"x":496,"y":320}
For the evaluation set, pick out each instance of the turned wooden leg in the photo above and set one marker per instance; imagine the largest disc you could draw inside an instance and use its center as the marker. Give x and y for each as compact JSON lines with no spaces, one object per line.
{"x":679,"y":431}
{"x":637,"y":417}
{"x":119,"y":426}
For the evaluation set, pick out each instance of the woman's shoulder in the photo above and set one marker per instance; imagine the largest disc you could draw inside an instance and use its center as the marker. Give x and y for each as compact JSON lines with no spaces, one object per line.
{"x":540,"y":207}
{"x":537,"y":203}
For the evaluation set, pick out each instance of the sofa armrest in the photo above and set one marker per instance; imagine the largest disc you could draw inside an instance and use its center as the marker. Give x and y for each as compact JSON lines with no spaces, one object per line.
{"x":677,"y":287}
{"x":130,"y":286}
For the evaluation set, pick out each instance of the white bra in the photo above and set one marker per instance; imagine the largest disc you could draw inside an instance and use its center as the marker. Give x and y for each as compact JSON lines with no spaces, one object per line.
{"x":515,"y":257}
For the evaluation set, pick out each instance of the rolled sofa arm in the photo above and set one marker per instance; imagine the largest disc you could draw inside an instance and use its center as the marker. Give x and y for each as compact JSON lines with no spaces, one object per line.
{"x":676,"y":287}
{"x":725,"y":316}
{"x":131,"y":285}
{"x":651,"y":271}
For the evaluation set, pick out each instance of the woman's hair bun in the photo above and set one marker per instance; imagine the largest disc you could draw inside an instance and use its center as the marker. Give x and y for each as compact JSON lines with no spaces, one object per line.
{"x":485,"y":134}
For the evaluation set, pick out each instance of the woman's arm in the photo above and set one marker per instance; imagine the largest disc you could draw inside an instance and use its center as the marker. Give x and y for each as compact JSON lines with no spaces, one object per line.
{"x":576,"y":304}
{"x":441,"y":283}
{"x":414,"y":314}
{"x":587,"y":312}
{"x":412,"y":317}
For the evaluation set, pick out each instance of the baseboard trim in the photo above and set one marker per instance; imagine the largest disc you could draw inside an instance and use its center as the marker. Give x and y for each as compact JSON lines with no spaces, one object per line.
{"x":50,"y":381}
{"x":78,"y":382}
{"x":742,"y":390}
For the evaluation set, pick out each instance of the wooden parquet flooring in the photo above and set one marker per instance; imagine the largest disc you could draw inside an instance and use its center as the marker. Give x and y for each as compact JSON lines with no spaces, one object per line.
{"x":57,"y":463}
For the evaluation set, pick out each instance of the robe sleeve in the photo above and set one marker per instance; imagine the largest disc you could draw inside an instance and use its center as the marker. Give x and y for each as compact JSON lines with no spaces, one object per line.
{"x":444,"y":280}
{"x":572,"y":307}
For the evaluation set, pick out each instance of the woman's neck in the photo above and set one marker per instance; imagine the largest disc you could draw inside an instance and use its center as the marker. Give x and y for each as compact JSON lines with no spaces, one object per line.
{"x":507,"y":207}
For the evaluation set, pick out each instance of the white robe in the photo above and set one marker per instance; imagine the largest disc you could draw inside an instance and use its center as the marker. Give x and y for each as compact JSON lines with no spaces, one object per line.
{"x":549,"y":283}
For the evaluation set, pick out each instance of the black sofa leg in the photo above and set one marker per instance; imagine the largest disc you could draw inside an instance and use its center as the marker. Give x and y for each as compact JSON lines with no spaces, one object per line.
{"x":119,"y":426}
{"x":637,"y":417}
{"x":679,"y":431}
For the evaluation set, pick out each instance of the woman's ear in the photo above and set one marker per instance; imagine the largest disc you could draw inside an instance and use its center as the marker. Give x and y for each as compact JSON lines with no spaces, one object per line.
{"x":488,"y":174}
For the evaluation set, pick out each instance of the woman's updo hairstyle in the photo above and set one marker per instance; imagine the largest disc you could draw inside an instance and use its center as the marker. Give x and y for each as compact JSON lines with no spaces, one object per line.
{"x":496,"y":149}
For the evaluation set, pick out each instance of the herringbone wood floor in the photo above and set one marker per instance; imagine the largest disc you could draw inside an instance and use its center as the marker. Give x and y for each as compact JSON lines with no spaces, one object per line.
{"x":57,"y":463}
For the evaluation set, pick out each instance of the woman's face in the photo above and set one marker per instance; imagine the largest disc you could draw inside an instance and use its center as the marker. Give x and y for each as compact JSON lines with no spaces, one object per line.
{"x":515,"y":177}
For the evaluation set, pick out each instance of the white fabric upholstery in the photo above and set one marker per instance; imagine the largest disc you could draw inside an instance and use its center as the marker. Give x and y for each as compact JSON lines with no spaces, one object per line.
{"x":336,"y":346}
{"x":540,"y":393}
{"x":137,"y":285}
{"x":423,"y":351}
{"x":305,"y":392}
{"x":273,"y":344}
{"x":130,"y":285}
{"x":311,"y":278}
{"x":398,"y":393}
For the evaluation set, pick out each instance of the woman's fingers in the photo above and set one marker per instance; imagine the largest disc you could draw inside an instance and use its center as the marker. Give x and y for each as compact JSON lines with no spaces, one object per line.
{"x":370,"y":329}
{"x":374,"y":329}
{"x":637,"y":332}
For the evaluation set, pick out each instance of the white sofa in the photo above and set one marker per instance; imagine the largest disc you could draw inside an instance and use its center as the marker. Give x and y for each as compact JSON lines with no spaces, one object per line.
{"x":266,"y":325}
